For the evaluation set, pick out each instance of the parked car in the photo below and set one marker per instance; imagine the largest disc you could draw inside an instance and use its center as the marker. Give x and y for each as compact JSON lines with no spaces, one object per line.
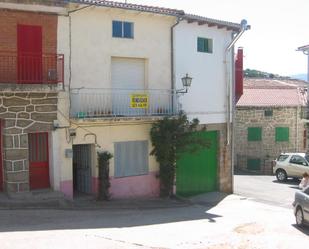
{"x":301,"y":207}
{"x":290,"y":165}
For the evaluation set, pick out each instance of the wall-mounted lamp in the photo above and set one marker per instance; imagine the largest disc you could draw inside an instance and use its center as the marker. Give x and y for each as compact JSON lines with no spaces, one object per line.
{"x":186,"y":82}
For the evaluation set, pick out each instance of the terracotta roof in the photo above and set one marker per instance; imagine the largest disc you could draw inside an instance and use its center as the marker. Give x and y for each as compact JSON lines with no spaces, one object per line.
{"x":274,"y":97}
{"x":274,"y":83}
{"x":163,"y":11}
{"x":212,"y":22}
{"x":130,"y":6}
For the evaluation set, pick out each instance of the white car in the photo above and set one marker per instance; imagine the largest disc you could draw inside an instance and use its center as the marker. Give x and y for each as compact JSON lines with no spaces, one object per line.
{"x":290,"y":165}
{"x":301,"y":207}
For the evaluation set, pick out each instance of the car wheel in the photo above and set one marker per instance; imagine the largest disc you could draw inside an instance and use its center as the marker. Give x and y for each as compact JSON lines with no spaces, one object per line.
{"x":299,"y":216}
{"x":281,"y":175}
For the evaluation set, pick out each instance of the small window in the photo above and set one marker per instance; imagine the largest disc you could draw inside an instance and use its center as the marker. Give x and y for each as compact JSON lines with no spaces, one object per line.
{"x":254,"y":164}
{"x":254,"y":133}
{"x":204,"y":45}
{"x":282,"y":134}
{"x":131,"y":158}
{"x":123,"y":29}
{"x":268,"y":113}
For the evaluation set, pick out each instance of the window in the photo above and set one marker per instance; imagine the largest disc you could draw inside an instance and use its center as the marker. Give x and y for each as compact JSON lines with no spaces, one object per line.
{"x":131,"y":158}
{"x":268,"y":113}
{"x":282,"y":158}
{"x":254,"y":133}
{"x":204,"y":45}
{"x":298,"y":160}
{"x":254,"y":164}
{"x":282,"y":134}
{"x":123,"y":29}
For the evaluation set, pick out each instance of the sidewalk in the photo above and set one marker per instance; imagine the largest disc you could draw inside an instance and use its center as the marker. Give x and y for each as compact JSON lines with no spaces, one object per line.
{"x":56,"y":200}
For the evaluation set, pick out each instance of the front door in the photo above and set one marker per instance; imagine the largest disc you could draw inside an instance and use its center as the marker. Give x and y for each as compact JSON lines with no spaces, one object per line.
{"x":38,"y":160}
{"x":82,"y":161}
{"x":29,"y":43}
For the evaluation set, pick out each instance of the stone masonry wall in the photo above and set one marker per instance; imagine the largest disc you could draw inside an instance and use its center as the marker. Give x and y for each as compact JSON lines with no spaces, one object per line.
{"x":267,"y":149}
{"x":23,"y":113}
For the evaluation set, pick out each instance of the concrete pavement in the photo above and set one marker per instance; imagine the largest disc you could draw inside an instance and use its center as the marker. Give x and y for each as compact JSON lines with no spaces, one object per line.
{"x":227,"y":222}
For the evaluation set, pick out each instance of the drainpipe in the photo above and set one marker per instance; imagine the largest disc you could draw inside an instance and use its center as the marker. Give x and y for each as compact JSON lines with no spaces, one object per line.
{"x":173,"y":81}
{"x":230,"y":82}
{"x":297,"y":130}
{"x":244,"y":27}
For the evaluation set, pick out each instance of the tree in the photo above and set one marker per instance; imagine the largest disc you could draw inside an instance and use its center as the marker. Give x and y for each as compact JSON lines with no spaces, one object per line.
{"x":170,"y":137}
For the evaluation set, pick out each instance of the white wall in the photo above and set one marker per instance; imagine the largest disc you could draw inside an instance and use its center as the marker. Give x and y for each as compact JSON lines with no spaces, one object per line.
{"x":206,"y":98}
{"x":93,"y":46}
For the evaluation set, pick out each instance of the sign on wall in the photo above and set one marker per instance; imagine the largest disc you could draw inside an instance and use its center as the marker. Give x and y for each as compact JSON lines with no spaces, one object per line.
{"x":139,"y":101}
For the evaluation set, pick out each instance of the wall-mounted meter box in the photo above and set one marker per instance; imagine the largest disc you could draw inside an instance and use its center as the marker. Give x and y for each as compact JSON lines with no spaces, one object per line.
{"x":68,"y":153}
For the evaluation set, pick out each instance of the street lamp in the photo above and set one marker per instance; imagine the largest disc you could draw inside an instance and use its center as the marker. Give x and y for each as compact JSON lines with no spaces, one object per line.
{"x":186,"y":83}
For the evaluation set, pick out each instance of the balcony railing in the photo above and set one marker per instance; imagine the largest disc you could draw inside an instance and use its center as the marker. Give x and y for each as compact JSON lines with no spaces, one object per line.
{"x":96,"y":103}
{"x":29,"y":68}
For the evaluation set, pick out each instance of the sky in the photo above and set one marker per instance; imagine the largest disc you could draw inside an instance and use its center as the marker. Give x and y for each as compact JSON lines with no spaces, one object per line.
{"x":278,"y":28}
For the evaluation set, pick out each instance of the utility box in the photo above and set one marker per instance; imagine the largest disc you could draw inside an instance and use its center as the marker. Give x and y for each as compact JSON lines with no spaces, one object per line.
{"x":68,"y":153}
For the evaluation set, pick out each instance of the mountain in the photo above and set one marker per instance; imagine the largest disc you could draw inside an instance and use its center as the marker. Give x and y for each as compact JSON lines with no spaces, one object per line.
{"x":302,"y":76}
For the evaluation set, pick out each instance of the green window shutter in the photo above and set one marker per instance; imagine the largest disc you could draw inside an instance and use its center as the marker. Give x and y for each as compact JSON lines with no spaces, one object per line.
{"x":254,"y":133}
{"x":209,"y":45}
{"x":200,"y":44}
{"x":282,"y":134}
{"x":254,"y":164}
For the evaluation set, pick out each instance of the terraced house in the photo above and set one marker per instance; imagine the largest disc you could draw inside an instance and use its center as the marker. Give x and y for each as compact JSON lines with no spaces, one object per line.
{"x":83,"y":76}
{"x":31,"y":75}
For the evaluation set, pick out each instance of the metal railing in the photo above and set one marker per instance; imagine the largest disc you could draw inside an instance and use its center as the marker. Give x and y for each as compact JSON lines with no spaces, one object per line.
{"x":95,"y":103}
{"x":30,"y":68}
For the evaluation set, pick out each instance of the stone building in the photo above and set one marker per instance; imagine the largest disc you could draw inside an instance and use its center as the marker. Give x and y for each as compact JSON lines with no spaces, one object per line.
{"x":269,"y":121}
{"x":31,"y":79}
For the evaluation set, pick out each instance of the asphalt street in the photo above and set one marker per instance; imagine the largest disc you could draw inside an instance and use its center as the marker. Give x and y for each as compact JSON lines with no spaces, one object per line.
{"x":266,"y":189}
{"x":233,"y":222}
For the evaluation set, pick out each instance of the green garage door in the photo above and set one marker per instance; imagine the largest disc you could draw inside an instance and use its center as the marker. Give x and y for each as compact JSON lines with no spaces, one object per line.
{"x":197,"y":172}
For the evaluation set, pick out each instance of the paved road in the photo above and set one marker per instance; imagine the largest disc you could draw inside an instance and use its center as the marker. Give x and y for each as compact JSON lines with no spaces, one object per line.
{"x":235,"y":222}
{"x":266,"y":189}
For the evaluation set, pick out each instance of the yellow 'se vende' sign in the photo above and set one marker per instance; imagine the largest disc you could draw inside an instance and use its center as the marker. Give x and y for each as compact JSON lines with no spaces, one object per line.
{"x":139,"y":101}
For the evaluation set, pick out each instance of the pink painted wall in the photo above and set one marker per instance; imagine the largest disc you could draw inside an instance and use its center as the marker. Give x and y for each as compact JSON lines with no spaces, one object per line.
{"x":66,"y":187}
{"x":133,"y":186}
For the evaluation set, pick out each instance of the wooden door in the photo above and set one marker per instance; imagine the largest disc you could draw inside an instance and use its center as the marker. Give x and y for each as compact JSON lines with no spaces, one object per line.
{"x":29,"y":44}
{"x":38,"y":160}
{"x":196,"y":172}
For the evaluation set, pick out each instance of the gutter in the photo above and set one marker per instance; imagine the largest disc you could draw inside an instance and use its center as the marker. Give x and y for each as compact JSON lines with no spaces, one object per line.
{"x":173,"y":77}
{"x":230,"y":81}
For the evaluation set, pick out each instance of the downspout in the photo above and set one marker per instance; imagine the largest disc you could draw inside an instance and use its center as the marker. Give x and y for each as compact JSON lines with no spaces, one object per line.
{"x":244,"y":27}
{"x":297,"y":130}
{"x":231,"y":81}
{"x":173,"y":80}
